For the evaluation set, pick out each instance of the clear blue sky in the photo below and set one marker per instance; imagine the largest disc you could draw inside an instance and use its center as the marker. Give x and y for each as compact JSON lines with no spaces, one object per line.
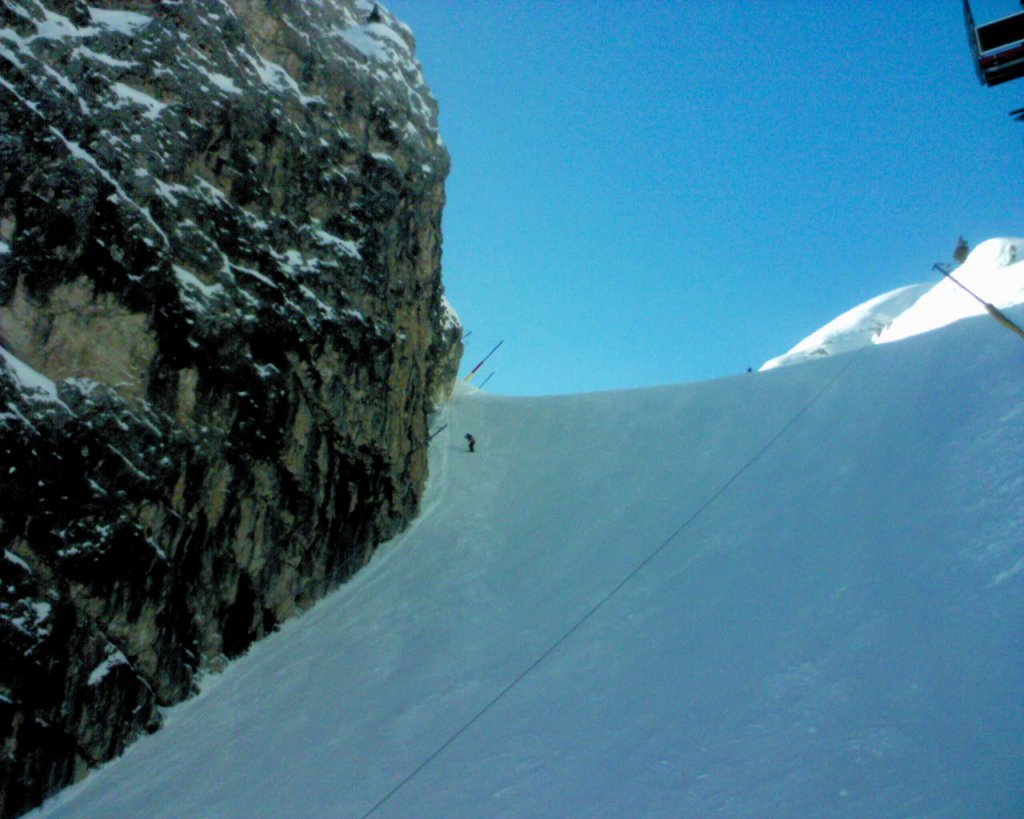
{"x":658,"y":191}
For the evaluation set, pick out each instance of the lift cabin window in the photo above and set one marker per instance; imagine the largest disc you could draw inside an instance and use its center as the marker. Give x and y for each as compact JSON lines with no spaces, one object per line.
{"x":1006,"y":32}
{"x":998,"y":47}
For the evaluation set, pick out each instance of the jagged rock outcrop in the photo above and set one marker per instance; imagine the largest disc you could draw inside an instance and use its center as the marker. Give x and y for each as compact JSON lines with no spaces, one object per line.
{"x":222,"y":329}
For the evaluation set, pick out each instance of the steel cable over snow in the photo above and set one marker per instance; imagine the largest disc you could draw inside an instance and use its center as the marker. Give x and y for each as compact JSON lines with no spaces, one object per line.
{"x":579,"y":622}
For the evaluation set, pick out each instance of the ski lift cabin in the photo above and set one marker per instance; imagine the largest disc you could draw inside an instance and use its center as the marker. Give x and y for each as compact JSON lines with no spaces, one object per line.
{"x":998,"y":47}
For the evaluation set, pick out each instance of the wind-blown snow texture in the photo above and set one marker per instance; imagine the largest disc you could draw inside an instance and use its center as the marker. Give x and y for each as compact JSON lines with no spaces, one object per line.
{"x":832,"y":627}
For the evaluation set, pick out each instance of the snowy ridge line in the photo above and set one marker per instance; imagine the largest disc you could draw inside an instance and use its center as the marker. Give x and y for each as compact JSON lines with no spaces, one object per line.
{"x":600,"y":604}
{"x":991,"y":278}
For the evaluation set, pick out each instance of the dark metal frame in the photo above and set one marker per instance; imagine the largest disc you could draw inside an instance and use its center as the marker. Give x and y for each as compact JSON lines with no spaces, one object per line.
{"x":998,"y":47}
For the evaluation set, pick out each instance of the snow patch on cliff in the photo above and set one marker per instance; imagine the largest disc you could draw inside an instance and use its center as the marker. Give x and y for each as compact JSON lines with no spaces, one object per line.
{"x":32,"y":382}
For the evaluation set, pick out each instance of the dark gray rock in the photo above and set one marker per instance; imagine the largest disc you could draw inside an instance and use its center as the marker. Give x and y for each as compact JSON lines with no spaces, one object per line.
{"x":222,"y":330}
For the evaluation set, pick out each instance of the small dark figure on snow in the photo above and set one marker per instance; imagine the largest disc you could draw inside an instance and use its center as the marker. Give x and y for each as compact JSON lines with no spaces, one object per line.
{"x":471,"y":441}
{"x":960,"y":251}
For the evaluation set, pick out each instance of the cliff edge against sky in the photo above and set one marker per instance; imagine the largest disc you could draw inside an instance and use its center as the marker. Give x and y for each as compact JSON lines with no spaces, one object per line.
{"x":222,"y":329}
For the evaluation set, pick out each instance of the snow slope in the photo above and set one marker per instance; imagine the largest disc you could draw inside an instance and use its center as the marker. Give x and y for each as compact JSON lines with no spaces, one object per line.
{"x":791,"y":593}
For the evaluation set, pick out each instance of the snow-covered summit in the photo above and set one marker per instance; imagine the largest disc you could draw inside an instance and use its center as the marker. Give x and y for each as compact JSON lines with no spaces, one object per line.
{"x":994,"y":271}
{"x":853,"y":329}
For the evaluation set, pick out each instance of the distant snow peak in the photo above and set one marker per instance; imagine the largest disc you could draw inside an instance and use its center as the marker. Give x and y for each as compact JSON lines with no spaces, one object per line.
{"x":853,"y":329}
{"x":993,"y":270}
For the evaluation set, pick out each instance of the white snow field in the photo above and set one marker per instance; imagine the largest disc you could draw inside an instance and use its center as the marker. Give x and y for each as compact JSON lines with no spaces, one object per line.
{"x":793,"y":593}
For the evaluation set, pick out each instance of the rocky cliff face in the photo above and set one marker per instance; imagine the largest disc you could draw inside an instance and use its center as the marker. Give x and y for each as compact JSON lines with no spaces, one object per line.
{"x":221,"y":332}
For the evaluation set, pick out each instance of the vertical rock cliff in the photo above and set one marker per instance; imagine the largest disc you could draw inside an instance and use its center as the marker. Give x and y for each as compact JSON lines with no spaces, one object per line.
{"x":222,"y":329}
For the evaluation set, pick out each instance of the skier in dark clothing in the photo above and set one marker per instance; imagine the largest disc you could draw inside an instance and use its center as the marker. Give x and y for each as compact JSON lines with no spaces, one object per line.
{"x":472,"y":442}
